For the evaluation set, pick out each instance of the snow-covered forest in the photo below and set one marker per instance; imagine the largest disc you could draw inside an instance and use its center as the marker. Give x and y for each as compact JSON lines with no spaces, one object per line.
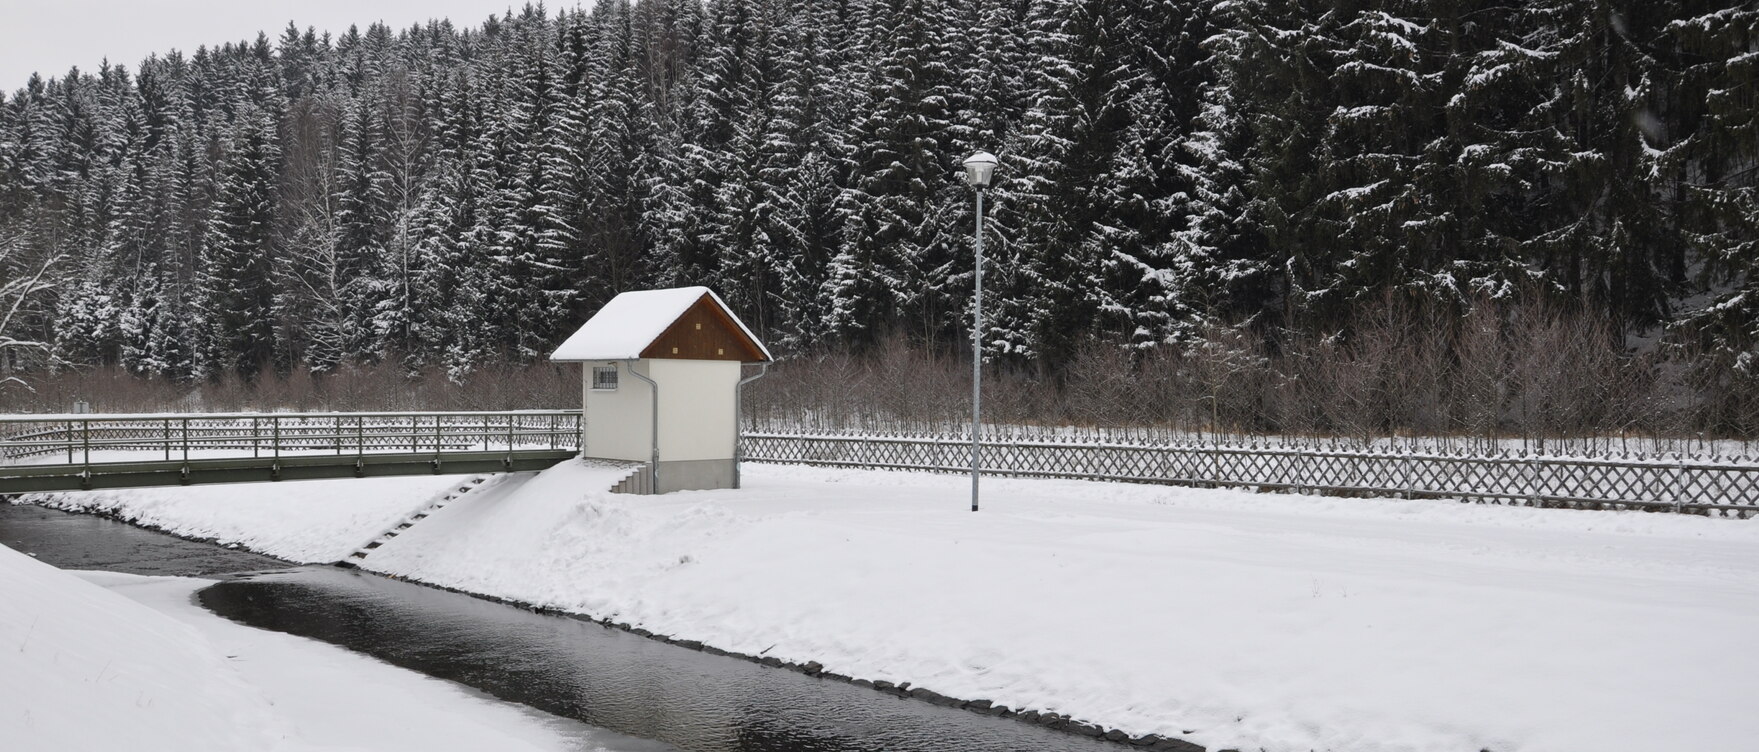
{"x":1177,"y":175}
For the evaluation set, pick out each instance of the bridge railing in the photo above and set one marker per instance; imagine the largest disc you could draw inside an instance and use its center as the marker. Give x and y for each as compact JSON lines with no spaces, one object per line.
{"x":90,"y":439}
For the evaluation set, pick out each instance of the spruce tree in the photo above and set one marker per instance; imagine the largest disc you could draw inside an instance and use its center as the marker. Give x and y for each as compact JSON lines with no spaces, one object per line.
{"x":457,"y":194}
{"x":894,"y":268}
{"x":235,"y":275}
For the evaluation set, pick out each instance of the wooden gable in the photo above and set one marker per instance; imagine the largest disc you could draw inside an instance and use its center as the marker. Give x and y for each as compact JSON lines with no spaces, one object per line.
{"x":705,"y":332}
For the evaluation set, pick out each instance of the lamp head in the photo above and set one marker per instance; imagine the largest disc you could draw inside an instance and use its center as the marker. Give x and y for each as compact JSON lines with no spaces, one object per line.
{"x":979,"y":169}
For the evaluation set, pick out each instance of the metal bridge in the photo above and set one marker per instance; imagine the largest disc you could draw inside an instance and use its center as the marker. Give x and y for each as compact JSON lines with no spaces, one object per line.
{"x":83,"y":452}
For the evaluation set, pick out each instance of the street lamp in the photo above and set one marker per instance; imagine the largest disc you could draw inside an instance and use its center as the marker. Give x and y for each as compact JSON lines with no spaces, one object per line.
{"x":979,"y":168}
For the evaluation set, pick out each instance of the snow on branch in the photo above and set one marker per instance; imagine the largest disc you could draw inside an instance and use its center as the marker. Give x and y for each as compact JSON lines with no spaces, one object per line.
{"x":14,"y":293}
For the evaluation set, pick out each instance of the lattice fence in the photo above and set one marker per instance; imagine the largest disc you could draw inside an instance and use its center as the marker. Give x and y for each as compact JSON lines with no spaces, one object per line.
{"x":1677,"y":482}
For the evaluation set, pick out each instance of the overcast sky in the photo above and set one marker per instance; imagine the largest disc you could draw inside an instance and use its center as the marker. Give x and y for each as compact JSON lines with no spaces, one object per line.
{"x":50,"y":36}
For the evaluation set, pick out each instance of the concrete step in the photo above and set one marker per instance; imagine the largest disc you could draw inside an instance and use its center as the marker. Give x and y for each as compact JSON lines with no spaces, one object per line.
{"x":409,"y":522}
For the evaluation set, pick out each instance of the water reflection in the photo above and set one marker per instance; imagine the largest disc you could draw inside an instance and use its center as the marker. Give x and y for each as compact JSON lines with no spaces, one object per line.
{"x":83,"y":541}
{"x":610,"y":678}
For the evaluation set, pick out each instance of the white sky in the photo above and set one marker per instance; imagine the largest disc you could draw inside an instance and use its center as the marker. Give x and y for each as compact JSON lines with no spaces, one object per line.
{"x":50,"y":36}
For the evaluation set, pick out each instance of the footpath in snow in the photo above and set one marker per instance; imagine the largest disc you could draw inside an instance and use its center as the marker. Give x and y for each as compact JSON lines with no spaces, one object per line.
{"x":1223,"y":618}
{"x":104,"y":661}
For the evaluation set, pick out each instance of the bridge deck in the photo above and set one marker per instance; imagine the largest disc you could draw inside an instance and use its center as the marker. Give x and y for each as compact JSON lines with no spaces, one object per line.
{"x":77,"y":452}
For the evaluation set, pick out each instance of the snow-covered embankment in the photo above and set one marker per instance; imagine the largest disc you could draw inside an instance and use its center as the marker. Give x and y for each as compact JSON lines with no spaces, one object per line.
{"x":102,"y":661}
{"x":1224,"y":618}
{"x":301,"y":521}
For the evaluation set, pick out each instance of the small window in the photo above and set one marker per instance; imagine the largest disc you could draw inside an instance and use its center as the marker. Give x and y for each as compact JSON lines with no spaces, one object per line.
{"x":604,"y":378}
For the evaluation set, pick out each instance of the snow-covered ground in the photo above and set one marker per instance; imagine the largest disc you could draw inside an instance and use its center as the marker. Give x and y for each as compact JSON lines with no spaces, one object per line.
{"x":104,"y":661}
{"x":305,"y":521}
{"x":1224,"y":618}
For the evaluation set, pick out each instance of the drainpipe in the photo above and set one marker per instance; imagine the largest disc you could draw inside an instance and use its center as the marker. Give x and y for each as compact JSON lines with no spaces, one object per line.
{"x":654,"y":462}
{"x":739,"y":418}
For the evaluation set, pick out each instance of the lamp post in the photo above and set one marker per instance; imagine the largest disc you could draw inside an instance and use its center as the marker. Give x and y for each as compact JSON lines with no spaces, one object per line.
{"x":979,"y":168}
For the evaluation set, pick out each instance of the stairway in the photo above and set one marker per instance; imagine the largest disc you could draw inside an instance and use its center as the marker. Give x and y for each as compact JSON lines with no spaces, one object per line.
{"x":408,"y":522}
{"x":638,"y":481}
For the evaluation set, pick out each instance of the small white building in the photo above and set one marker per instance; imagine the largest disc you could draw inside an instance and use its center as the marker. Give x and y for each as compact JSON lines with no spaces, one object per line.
{"x":662,"y":376}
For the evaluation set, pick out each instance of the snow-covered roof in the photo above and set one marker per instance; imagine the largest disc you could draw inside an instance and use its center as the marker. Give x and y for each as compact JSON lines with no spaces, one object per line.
{"x":633,"y":320}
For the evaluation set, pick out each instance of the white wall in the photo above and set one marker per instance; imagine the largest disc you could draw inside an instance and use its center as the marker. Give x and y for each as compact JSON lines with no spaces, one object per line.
{"x":617,"y":422}
{"x":696,"y":408}
{"x":696,"y":411}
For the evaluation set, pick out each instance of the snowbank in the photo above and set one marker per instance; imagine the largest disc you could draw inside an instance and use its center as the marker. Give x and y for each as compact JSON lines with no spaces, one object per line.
{"x":335,"y":699}
{"x":1224,"y":618}
{"x":305,"y":521}
{"x":82,"y":668}
{"x":103,"y":661}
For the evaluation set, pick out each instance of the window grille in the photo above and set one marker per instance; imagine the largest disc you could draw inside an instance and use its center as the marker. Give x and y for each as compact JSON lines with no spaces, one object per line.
{"x":604,"y":378}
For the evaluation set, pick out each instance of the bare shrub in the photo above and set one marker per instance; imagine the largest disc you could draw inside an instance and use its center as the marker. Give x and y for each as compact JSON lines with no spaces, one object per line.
{"x":1498,"y":370}
{"x":382,"y":386}
{"x":1165,"y":391}
{"x":1101,"y":387}
{"x":1297,"y":392}
{"x":1479,"y":366}
{"x":1414,"y":381}
{"x":1225,"y":364}
{"x":1356,"y":373}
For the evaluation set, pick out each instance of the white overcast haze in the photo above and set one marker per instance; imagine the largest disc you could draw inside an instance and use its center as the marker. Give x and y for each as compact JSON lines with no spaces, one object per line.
{"x":51,"y":36}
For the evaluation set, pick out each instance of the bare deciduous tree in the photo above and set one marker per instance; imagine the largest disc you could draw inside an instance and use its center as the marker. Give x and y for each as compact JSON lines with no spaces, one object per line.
{"x":21,"y":281}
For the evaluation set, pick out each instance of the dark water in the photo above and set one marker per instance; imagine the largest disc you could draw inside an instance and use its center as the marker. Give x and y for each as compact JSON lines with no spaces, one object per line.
{"x":568,"y":667}
{"x":610,"y":678}
{"x":83,"y":541}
